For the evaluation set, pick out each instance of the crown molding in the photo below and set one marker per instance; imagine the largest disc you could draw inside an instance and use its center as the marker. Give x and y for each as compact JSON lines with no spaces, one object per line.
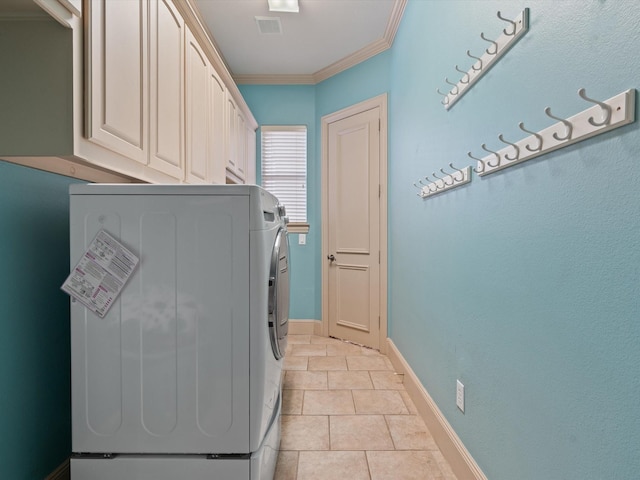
{"x":274,"y":79}
{"x":355,"y":58}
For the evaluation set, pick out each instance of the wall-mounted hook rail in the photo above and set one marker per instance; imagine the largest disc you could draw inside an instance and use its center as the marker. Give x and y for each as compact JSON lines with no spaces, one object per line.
{"x":601,"y":118}
{"x":509,"y":36}
{"x":458,"y":177}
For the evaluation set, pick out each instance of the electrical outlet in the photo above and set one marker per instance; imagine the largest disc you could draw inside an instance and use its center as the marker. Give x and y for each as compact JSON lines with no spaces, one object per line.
{"x":460,"y":395}
{"x":302,"y":239}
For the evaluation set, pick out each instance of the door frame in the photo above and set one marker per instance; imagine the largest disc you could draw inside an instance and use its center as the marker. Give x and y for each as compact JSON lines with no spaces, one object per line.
{"x":380,"y":102}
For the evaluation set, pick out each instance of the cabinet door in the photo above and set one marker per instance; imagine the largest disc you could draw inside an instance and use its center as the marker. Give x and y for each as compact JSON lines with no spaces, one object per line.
{"x":232,"y":139}
{"x":241,"y":157}
{"x":217,"y":129}
{"x":117,"y":76}
{"x":166,"y":145}
{"x":196,"y":111}
{"x":251,"y":156}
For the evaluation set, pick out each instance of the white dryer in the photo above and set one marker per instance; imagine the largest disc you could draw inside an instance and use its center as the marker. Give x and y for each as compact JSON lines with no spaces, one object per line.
{"x":182,"y":377}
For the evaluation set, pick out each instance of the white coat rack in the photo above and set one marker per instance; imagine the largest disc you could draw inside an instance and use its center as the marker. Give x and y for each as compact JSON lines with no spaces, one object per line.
{"x":510,"y":35}
{"x":442,"y":184}
{"x":600,"y":118}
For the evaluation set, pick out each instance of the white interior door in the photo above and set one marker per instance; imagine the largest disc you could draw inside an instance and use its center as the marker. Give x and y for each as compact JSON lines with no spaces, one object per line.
{"x":352,"y":226}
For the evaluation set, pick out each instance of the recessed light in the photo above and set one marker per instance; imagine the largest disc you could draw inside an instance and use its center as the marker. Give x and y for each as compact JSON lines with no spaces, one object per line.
{"x":284,"y":6}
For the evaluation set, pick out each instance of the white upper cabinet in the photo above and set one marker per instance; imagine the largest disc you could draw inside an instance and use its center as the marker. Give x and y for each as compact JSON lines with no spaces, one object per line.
{"x":196,"y":111}
{"x":117,"y":70}
{"x":135,"y":91}
{"x":217,"y":127}
{"x":232,"y":144}
{"x":166,"y":75}
{"x":74,"y":6}
{"x":241,"y":142}
{"x":251,"y":156}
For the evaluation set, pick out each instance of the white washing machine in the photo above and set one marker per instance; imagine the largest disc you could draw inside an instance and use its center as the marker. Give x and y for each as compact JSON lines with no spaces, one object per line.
{"x":182,"y":377}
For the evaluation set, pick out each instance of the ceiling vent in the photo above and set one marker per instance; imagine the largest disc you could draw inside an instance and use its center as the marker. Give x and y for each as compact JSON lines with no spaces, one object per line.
{"x":269,"y":25}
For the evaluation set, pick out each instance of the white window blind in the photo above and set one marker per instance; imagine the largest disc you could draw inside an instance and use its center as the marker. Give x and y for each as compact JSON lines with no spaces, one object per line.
{"x":284,"y":168}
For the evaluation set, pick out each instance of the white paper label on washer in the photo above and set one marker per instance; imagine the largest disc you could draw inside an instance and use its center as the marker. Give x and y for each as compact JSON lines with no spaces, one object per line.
{"x":101,"y":274}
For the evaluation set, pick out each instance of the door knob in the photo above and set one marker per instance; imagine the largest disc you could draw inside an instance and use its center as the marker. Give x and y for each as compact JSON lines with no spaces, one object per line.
{"x":331,"y":258}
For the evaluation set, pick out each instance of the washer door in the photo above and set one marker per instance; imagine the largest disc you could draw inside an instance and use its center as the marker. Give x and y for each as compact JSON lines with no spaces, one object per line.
{"x":279,"y":294}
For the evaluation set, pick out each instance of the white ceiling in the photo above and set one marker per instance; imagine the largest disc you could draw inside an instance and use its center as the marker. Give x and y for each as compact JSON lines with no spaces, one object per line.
{"x":325,"y":35}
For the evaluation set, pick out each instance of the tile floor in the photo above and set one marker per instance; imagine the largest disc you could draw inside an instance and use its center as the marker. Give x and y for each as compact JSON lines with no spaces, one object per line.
{"x":346,"y":415}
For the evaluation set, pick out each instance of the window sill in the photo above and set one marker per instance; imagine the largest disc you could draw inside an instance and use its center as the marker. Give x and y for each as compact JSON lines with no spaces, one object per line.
{"x":298,"y":227}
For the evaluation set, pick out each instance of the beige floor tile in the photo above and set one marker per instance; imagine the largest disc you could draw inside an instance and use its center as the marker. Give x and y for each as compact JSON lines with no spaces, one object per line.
{"x":295,"y":363}
{"x":305,"y":432}
{"x":369,"y":362}
{"x":328,"y":402}
{"x":343,"y":349}
{"x":298,"y":380}
{"x":384,"y":380}
{"x":308,"y":350}
{"x":410,"y":433}
{"x":295,"y":339}
{"x":379,"y":401}
{"x":359,"y":432}
{"x":349,"y":380}
{"x":287,"y":466}
{"x":322,"y":437}
{"x":402,"y":465}
{"x":327,"y":363}
{"x":292,"y":402}
{"x":409,"y":403}
{"x":333,"y":465}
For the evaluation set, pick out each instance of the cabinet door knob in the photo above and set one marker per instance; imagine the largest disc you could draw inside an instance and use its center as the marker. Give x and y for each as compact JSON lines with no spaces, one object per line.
{"x":331,"y":258}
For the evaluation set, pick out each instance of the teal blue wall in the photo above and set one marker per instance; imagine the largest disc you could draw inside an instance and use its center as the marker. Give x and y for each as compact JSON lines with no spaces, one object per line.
{"x":294,"y":105}
{"x":524,"y":284}
{"x":35,"y":423}
{"x":305,"y":105}
{"x":361,"y":82}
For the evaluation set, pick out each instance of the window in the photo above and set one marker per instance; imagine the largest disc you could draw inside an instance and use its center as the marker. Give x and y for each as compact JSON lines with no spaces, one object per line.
{"x":284,"y":169}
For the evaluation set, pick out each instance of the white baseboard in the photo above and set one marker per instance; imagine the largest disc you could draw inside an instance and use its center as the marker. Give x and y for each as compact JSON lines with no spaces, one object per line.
{"x":305,"y":327}
{"x":60,"y":473}
{"x":459,"y":458}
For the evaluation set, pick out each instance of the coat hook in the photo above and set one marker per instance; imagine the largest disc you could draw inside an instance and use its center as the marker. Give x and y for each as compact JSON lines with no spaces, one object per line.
{"x":495,"y":44}
{"x":484,"y":147}
{"x":431,"y":182}
{"x":511,"y":22}
{"x":438,"y":178}
{"x":462,"y":80}
{"x":565,"y":122}
{"x":445,"y":100}
{"x":537,"y":135}
{"x":479,"y":160}
{"x":447,"y":175}
{"x":474,"y":65}
{"x":454,"y":86}
{"x":516,"y":148}
{"x":461,"y":173}
{"x":606,"y":109}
